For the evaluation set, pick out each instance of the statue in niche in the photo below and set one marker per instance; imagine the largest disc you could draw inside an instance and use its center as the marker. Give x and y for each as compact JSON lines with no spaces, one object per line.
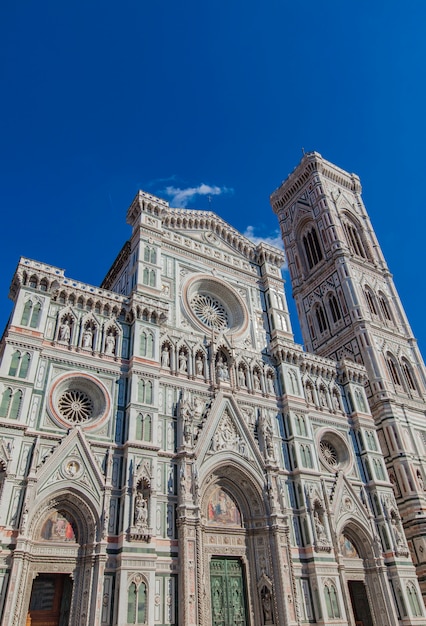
{"x":222,"y":369}
{"x":256,"y":381}
{"x":266,"y":598}
{"x":271,"y":384}
{"x":319,"y":528}
{"x":65,"y":331}
{"x":323,"y":398}
{"x":141,"y":510}
{"x":242,"y":377}
{"x":309,"y":394}
{"x":88,"y":338}
{"x":165,"y":356}
{"x":199,"y":366}
{"x":336,"y":401}
{"x":110,"y":344}
{"x":267,"y":432}
{"x":183,"y":362}
{"x":399,"y":540}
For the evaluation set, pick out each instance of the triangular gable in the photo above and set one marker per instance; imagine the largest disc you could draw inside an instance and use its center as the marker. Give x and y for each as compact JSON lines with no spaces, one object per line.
{"x":346,"y":503}
{"x":226,"y":431}
{"x":71,"y":464}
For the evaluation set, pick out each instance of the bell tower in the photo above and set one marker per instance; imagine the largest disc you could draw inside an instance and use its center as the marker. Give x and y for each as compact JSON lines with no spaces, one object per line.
{"x":349,"y":309}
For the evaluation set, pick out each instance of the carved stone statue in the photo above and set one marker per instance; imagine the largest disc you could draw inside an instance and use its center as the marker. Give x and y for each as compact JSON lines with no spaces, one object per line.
{"x":242,"y":377}
{"x":165,"y":356}
{"x":110,"y":344}
{"x":266,"y":598}
{"x":199,"y":366}
{"x":87,"y":338}
{"x":319,"y":528}
{"x":222,"y":369}
{"x":141,"y":510}
{"x":65,"y":331}
{"x":256,"y":381}
{"x":183,"y":362}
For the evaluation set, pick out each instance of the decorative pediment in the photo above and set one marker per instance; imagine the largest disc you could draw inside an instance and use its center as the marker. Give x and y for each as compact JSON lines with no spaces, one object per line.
{"x":72,"y":464}
{"x":226,"y":431}
{"x":346,"y":502}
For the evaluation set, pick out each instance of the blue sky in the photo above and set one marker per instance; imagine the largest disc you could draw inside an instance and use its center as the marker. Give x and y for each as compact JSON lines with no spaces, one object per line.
{"x":101,"y":99}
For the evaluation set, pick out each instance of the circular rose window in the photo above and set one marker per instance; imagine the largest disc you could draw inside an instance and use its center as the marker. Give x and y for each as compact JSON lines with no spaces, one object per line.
{"x":209,"y":311}
{"x":334,"y":451}
{"x":75,"y":406}
{"x":78,"y":399}
{"x":212,"y":304}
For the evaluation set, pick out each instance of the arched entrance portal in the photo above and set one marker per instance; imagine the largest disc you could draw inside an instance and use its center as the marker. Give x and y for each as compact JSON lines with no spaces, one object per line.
{"x":54,"y":565}
{"x":236,"y":551}
{"x":356,"y":576}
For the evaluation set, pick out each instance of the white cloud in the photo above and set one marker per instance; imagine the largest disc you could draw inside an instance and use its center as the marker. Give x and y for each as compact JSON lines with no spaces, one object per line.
{"x":274,"y":239}
{"x":180,"y":197}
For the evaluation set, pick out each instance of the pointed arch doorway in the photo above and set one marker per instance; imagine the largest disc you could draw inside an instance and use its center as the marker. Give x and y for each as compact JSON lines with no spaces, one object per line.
{"x":228,"y":592}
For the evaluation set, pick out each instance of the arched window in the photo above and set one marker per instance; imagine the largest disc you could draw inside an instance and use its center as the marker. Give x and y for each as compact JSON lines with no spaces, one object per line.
{"x":136,"y":603}
{"x":14,"y":363}
{"x":371,"y":300}
{"x":371,"y":440}
{"x":150,"y":255}
{"x":409,"y":374}
{"x":32,"y":282}
{"x":147,"y":344}
{"x":143,"y":427}
{"x":5,"y":402}
{"x":378,"y":469}
{"x":414,"y":600}
{"x":312,"y":247}
{"x":333,"y":304}
{"x":43,"y":284}
{"x":145,"y":391}
{"x":331,"y":601}
{"x":301,"y":425}
{"x":321,"y":319}
{"x":16,"y":405}
{"x":35,"y":315}
{"x":360,"y":400}
{"x":393,"y":369}
{"x":356,"y":245}
{"x":26,"y":313}
{"x":384,"y":306}
{"x":305,"y":453}
{"x":25,"y":363}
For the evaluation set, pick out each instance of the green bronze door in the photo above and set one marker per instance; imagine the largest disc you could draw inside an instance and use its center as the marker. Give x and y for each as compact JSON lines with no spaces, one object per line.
{"x":227,"y":589}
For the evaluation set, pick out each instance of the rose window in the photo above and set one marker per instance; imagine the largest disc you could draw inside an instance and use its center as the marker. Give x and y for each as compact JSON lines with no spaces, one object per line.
{"x":75,"y":406}
{"x":209,"y":311}
{"x":329,"y":453}
{"x":79,"y":399}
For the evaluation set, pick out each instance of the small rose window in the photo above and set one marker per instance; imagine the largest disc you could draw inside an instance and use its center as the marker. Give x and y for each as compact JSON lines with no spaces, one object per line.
{"x":79,"y":399}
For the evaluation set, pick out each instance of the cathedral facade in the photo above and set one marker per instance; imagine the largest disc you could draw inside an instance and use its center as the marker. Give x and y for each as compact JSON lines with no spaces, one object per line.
{"x":168,"y":453}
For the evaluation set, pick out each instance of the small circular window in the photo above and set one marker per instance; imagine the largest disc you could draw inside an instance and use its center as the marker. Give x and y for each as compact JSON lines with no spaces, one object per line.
{"x":334,"y":451}
{"x":78,"y":399}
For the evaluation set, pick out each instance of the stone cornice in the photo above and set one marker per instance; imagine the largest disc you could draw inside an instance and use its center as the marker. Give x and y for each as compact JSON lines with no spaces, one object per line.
{"x":311,"y":163}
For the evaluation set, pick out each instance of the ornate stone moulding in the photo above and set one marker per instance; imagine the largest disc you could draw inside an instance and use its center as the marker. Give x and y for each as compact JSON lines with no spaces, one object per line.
{"x":213,"y":306}
{"x":78,"y":399}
